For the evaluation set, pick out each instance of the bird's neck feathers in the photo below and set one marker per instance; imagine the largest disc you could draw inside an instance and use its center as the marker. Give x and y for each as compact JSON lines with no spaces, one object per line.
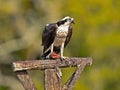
{"x":63,"y":28}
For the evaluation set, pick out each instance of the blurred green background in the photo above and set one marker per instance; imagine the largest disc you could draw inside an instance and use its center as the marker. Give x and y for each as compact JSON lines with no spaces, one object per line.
{"x":96,"y":33}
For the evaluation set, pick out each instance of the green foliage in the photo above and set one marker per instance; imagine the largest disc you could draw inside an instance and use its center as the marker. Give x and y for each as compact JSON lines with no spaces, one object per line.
{"x":96,"y":33}
{"x":4,"y":87}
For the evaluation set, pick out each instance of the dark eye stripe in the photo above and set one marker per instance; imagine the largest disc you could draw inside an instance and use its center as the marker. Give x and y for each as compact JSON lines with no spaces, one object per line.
{"x":62,"y":22}
{"x":65,"y":20}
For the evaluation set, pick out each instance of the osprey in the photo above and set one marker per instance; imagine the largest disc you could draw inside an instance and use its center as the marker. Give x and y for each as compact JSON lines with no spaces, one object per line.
{"x":55,"y":37}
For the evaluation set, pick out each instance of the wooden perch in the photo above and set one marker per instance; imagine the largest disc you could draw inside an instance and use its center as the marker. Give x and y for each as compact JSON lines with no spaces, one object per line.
{"x":52,"y":81}
{"x":49,"y":64}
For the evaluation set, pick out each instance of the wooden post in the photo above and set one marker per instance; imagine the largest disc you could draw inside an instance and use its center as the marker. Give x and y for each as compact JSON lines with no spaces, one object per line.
{"x":51,"y":79}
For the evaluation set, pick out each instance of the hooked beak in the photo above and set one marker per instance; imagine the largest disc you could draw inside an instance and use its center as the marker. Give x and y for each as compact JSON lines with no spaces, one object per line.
{"x":72,"y":21}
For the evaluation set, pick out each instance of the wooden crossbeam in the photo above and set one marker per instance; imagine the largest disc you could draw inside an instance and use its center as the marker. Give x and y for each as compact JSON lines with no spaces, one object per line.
{"x":49,"y":64}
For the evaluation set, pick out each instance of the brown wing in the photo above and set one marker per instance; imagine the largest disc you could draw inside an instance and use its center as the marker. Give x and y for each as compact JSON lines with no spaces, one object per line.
{"x":68,"y":36}
{"x":48,"y":35}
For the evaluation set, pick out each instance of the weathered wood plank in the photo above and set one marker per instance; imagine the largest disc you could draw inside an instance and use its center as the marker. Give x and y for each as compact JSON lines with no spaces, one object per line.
{"x":49,"y":64}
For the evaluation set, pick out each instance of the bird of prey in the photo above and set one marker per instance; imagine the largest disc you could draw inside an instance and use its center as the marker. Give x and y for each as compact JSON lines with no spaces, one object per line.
{"x":55,"y":38}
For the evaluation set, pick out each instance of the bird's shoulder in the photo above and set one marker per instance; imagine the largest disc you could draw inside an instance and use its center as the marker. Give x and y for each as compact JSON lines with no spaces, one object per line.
{"x":49,"y":33}
{"x":51,"y":26}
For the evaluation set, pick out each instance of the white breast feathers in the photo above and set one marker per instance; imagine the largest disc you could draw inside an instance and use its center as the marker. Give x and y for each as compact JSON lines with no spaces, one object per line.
{"x":61,"y":35}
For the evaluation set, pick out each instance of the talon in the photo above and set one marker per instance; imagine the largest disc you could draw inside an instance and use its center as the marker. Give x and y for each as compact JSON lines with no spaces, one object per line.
{"x":64,"y":59}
